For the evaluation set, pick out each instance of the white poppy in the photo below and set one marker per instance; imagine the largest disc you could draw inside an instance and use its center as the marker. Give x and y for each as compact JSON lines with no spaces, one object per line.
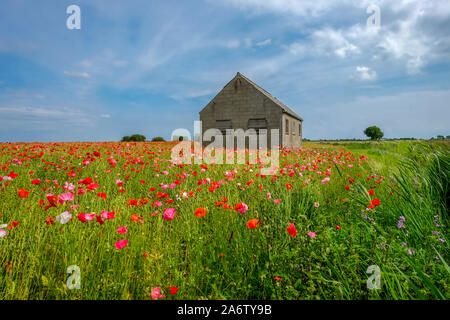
{"x":64,"y":217}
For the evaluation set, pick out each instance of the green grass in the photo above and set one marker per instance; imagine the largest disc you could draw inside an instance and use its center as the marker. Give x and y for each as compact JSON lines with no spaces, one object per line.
{"x":218,"y":256}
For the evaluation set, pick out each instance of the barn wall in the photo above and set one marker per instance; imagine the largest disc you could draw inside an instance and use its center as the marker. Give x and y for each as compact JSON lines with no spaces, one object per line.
{"x":239,"y":101}
{"x":293,"y":138}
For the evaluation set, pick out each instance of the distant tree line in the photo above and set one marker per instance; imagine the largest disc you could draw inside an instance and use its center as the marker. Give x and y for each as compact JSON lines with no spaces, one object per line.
{"x":375,"y":133}
{"x":140,"y":138}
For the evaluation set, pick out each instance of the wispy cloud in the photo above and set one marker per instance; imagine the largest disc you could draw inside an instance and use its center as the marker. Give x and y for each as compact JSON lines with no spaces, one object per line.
{"x":76,"y":74}
{"x":46,"y":116}
{"x":264,"y":43}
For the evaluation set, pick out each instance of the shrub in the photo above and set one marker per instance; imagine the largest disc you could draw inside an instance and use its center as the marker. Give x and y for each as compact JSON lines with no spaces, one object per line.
{"x":134,"y":137}
{"x":158,"y":139}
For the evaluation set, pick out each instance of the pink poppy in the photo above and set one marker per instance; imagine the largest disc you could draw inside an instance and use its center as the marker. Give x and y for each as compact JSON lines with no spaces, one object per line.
{"x":121,"y":244}
{"x":122,"y":230}
{"x":157,"y":203}
{"x":312,"y":234}
{"x":156,"y":293}
{"x":66,"y":197}
{"x":83,"y":217}
{"x":169,"y":214}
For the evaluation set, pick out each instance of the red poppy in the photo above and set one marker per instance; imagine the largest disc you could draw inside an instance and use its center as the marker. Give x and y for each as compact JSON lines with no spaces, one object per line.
{"x":252,"y":223}
{"x":136,"y":218}
{"x":173,"y":290}
{"x":375,"y":202}
{"x":86,"y":181}
{"x":101,"y":195}
{"x":292,"y":230}
{"x":132,"y":202}
{"x":13,"y":224}
{"x":49,"y":221}
{"x":200,"y":212}
{"x":23,"y":193}
{"x":53,"y":200}
{"x":92,"y":186}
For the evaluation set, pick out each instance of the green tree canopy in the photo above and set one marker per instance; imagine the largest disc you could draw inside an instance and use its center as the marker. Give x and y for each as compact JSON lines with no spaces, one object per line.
{"x":158,"y":139}
{"x":134,"y":137}
{"x":374,"y":133}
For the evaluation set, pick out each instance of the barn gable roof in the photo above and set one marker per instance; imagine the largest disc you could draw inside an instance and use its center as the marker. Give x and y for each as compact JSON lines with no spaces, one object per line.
{"x":283,"y":107}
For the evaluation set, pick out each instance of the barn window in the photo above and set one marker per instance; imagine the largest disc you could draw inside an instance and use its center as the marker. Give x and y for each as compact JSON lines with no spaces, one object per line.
{"x":293,"y":128}
{"x":287,"y":126}
{"x":223,"y":125}
{"x":257,"y":124}
{"x":300,"y":129}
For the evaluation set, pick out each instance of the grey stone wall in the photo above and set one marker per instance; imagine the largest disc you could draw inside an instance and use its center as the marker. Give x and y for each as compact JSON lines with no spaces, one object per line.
{"x":240,"y":101}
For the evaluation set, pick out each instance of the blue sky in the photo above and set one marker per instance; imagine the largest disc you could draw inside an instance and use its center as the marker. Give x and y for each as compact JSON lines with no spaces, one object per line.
{"x":149,"y":67}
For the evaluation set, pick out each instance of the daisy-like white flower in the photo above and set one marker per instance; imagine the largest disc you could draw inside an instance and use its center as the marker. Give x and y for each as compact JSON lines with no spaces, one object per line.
{"x":64,"y":217}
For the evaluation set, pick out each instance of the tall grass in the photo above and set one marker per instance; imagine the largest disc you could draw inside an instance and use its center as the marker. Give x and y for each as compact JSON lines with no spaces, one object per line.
{"x":218,"y":256}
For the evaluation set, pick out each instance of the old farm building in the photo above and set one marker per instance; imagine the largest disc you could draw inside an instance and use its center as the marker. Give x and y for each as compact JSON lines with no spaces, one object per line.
{"x":242,"y":104}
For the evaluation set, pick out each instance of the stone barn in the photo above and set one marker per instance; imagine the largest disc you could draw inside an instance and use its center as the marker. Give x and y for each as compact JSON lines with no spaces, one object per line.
{"x":242,"y":104}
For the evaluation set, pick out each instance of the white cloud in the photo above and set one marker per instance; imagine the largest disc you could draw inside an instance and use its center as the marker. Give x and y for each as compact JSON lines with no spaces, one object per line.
{"x":194,"y":93}
{"x":264,"y":43}
{"x":75,"y":74}
{"x":291,"y":7}
{"x":413,"y":33}
{"x":363,"y":73}
{"x":45,"y":116}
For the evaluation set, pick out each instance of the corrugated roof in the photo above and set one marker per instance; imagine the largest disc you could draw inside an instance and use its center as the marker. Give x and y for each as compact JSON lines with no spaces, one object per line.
{"x":284,"y":107}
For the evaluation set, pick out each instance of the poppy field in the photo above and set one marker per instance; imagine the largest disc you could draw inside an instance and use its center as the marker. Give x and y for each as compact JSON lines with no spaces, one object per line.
{"x":138,"y":226}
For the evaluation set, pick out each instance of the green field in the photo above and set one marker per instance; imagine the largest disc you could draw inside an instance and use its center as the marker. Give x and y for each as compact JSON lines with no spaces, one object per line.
{"x":385,"y":204}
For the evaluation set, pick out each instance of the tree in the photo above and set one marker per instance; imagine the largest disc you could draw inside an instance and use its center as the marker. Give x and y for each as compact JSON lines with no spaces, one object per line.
{"x":158,"y":139}
{"x":374,"y":133}
{"x":134,"y":137}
